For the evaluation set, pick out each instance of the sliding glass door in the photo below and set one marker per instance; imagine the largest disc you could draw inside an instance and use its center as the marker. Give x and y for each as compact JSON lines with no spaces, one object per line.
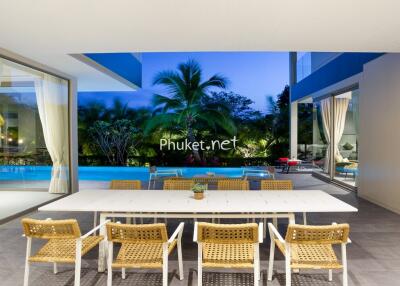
{"x":34,"y":129}
{"x":321,"y":136}
{"x":335,"y":137}
{"x":346,"y":134}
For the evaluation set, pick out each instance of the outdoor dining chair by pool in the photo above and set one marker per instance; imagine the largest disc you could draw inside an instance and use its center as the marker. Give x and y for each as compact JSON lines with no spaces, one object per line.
{"x":178,"y":185}
{"x":228,"y":246}
{"x":65,"y":243}
{"x":155,"y":173}
{"x":129,"y":185}
{"x":233,"y":185}
{"x":143,"y":246}
{"x":279,"y":185}
{"x":125,"y":185}
{"x":310,"y":247}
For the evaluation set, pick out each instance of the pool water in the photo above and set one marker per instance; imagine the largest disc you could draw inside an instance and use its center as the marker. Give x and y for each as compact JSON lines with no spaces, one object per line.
{"x":26,"y":173}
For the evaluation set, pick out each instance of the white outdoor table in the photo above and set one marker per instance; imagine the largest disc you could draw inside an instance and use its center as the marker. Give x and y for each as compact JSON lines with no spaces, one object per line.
{"x":181,"y":204}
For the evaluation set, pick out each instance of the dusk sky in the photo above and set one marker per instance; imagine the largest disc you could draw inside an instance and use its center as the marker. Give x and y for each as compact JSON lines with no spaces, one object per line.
{"x":255,"y":75}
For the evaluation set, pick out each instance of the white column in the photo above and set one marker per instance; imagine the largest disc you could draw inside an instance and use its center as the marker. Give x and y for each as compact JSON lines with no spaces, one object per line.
{"x":293,"y":129}
{"x":293,"y":105}
{"x":73,"y":143}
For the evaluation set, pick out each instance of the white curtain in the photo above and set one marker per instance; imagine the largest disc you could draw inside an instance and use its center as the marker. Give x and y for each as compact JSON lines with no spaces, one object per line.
{"x":339,"y":120}
{"x":52,"y":101}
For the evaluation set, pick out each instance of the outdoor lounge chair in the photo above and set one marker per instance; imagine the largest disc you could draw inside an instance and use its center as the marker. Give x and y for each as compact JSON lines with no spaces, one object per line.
{"x":228,"y":246}
{"x":143,"y":246}
{"x":310,"y":247}
{"x":350,"y":167}
{"x":65,"y":244}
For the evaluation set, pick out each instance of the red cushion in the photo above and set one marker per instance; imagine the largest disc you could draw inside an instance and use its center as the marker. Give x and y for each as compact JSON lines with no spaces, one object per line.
{"x":283,"y":159}
{"x":292,"y":163}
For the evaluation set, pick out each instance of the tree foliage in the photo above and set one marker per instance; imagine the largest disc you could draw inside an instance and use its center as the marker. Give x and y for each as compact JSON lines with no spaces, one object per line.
{"x":114,"y":139}
{"x":182,"y":108}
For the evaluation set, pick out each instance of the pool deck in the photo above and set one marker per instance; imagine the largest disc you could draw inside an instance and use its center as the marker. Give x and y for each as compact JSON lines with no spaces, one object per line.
{"x":374,"y":255}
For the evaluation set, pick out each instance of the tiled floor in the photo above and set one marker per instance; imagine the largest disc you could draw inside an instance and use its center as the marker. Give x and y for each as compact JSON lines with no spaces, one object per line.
{"x":13,"y":202}
{"x":374,"y":255}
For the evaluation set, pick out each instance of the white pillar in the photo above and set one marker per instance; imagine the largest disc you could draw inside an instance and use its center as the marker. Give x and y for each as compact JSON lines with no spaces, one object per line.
{"x":73,"y":143}
{"x":293,"y":129}
{"x":293,"y":105}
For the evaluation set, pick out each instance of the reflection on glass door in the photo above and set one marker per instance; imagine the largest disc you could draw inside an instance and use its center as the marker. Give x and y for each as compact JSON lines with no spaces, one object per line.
{"x":34,"y":140}
{"x":346,"y":137}
{"x":321,"y":136}
{"x":335,"y":137}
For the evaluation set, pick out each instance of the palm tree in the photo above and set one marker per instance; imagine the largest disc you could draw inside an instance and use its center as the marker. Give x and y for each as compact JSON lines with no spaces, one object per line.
{"x":183,"y":106}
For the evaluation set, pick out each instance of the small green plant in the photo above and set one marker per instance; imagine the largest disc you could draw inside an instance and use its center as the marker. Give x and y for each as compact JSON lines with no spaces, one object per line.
{"x":348,"y":146}
{"x":199,"y":188}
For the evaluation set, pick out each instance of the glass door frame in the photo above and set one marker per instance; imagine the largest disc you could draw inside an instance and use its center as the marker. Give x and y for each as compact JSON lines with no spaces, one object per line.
{"x":71,"y":85}
{"x":332,"y":168}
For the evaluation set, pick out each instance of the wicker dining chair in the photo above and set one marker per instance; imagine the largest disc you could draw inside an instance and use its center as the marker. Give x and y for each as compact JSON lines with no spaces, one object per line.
{"x":130,"y":185}
{"x":178,"y":185}
{"x":65,"y":244}
{"x":276,"y":185}
{"x":228,"y":246}
{"x":143,"y":246}
{"x":233,"y":185}
{"x":310,"y":247}
{"x":279,"y":185}
{"x":125,"y":185}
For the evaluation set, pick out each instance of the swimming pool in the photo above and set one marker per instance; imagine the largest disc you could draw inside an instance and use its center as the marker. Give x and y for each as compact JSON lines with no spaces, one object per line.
{"x":40,"y":173}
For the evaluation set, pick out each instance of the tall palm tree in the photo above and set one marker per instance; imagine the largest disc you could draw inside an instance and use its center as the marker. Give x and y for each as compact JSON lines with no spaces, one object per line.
{"x":183,"y":106}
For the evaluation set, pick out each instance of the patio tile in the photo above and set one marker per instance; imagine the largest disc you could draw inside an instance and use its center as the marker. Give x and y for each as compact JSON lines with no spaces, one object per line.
{"x":373,"y":255}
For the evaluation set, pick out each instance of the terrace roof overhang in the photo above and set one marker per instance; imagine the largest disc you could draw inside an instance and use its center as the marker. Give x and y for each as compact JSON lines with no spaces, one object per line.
{"x":342,"y":67}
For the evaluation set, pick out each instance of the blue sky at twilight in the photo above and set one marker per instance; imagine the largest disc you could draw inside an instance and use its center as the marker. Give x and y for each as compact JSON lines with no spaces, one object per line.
{"x":255,"y":75}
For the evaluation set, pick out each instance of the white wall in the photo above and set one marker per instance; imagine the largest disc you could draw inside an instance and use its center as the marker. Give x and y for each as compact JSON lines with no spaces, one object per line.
{"x":379,"y":179}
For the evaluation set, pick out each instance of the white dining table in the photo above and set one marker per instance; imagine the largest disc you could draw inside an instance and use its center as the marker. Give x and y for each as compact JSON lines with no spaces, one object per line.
{"x":181,"y":204}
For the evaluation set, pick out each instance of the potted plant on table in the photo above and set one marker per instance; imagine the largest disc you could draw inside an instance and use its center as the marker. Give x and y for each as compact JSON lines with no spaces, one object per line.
{"x":198,"y":191}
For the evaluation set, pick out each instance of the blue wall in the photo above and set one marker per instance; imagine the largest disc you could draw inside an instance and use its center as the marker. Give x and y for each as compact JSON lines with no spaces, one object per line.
{"x":342,"y":67}
{"x":123,"y":64}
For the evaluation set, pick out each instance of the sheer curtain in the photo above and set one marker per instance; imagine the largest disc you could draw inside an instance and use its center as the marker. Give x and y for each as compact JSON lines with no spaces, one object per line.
{"x":326,"y":123}
{"x":52,"y":102}
{"x":339,"y":120}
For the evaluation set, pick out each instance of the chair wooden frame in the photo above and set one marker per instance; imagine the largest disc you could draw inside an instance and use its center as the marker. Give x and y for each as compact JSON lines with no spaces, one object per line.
{"x":216,"y":236}
{"x":307,"y":242}
{"x":60,"y":234}
{"x":147,"y":235}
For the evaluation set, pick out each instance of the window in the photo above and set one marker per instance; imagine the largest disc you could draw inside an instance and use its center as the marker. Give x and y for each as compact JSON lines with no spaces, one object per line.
{"x":34,"y":137}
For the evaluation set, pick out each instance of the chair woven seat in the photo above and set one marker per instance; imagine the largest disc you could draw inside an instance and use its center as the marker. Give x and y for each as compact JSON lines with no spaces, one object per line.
{"x":228,"y":246}
{"x":125,"y":185}
{"x":276,"y":185}
{"x":311,"y":256}
{"x":63,"y":250}
{"x":228,"y":255}
{"x":233,"y":185}
{"x":178,"y":185}
{"x":141,"y":255}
